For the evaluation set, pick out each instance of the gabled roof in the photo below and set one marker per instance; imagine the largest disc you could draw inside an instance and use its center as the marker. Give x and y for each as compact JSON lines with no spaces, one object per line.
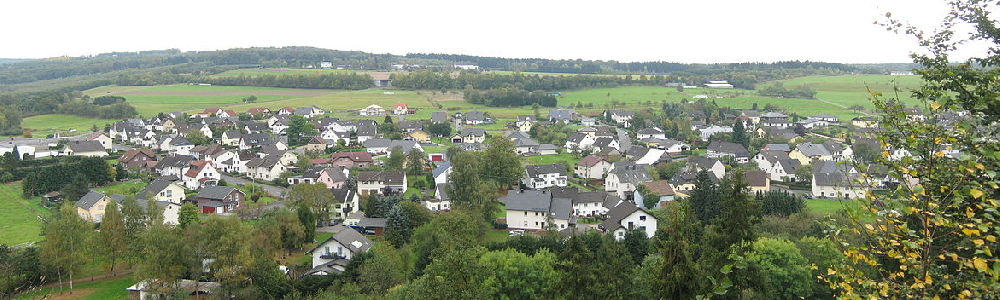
{"x":343,"y":194}
{"x":175,"y":161}
{"x":703,"y":162}
{"x":153,"y":188}
{"x":349,"y":238}
{"x":727,"y":147}
{"x":216,"y":192}
{"x":439,"y":117}
{"x":196,"y":167}
{"x":85,"y":146}
{"x":90,"y":199}
{"x":443,"y":167}
{"x":538,"y":201}
{"x":475,"y":115}
{"x":778,"y":147}
{"x":366,"y":130}
{"x":660,"y":188}
{"x":618,"y":213}
{"x":336,"y":174}
{"x":516,"y":135}
{"x":467,"y":132}
{"x":388,"y":177}
{"x":562,"y":114}
{"x":629,"y":172}
{"x":810,"y":149}
{"x":535,"y":170}
{"x":356,"y":156}
{"x":650,"y":131}
{"x":131,"y":154}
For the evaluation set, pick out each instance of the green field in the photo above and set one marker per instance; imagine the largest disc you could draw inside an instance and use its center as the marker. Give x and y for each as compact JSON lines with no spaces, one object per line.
{"x":20,"y":223}
{"x":43,"y":125}
{"x":127,"y":188}
{"x":851,"y":89}
{"x":151,"y":100}
{"x":623,"y":94}
{"x":113,"y":288}
{"x":824,"y":207}
{"x":342,"y":101}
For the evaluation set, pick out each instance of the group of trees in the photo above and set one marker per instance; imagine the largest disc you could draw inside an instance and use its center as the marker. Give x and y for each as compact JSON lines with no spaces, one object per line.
{"x":509,"y":96}
{"x":89,"y":170}
{"x":779,"y":90}
{"x":477,"y":177}
{"x":350,"y":81}
{"x":120,"y":110}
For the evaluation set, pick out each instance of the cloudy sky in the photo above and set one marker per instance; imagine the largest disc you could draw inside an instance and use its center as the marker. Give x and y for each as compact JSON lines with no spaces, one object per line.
{"x":623,"y":30}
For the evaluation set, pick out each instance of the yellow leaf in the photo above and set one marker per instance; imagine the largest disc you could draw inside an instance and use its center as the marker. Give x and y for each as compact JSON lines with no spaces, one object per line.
{"x":869,"y":227}
{"x":978,"y":242}
{"x":980,"y":263}
{"x":991,"y":238}
{"x":935,"y":105}
{"x":976,"y":193}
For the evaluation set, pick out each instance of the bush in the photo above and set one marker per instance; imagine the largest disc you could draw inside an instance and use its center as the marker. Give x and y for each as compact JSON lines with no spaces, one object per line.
{"x":499,"y":225}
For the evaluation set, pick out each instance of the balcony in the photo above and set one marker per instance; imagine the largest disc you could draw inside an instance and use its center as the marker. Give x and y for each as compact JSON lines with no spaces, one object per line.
{"x":333,"y":256}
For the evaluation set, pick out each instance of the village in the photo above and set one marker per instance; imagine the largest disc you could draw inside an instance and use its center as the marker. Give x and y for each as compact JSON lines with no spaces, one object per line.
{"x":607,"y":174}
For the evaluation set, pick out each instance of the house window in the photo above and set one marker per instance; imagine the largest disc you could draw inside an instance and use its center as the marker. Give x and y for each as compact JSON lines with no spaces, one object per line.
{"x":642,"y":218}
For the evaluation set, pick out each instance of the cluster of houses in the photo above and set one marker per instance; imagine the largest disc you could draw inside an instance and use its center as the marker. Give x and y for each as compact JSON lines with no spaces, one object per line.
{"x":611,"y":181}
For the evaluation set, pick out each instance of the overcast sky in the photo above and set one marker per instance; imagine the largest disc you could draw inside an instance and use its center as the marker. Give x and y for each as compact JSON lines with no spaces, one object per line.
{"x":623,"y":30}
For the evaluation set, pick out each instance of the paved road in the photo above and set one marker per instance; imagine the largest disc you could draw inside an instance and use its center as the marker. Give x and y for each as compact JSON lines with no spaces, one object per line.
{"x":278,"y":192}
{"x":623,"y":140}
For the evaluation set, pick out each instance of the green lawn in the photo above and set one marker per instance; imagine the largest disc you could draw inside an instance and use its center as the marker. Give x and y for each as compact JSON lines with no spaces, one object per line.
{"x":496,"y":235}
{"x":127,"y":188}
{"x":43,"y":125}
{"x":623,"y":94}
{"x":182,"y":97}
{"x":19,"y":221}
{"x":822,"y":206}
{"x":113,"y":288}
{"x":551,"y":159}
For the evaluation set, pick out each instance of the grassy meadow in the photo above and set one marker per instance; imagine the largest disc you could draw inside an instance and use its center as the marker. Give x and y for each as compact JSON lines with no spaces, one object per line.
{"x":283,"y":71}
{"x":108,"y":288}
{"x":852,"y":89}
{"x":19,"y":221}
{"x":43,"y":125}
{"x":151,"y":100}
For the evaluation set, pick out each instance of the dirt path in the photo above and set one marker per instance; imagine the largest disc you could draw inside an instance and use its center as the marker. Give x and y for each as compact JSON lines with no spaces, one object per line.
{"x":102,"y":277}
{"x":841,"y":106}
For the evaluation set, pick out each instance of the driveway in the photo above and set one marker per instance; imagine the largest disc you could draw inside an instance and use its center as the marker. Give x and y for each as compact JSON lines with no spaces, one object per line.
{"x":623,"y":140}
{"x":276,"y":191}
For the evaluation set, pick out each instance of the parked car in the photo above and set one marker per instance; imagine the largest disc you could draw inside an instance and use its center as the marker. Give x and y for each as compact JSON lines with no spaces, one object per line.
{"x":517,"y":232}
{"x":807,"y":195}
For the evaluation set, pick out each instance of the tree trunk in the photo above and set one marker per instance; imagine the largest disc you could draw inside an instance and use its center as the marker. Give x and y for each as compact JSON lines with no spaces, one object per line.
{"x":70,"y":282}
{"x":59,"y":273}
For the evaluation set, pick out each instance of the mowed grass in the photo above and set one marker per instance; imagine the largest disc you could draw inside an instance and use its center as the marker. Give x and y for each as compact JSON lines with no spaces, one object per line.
{"x":47,"y":124}
{"x":127,"y":188}
{"x":151,"y":100}
{"x":348,"y":101}
{"x":112,"y":288}
{"x":19,"y":221}
{"x":623,"y":94}
{"x":825,"y":207}
{"x":853,"y":89}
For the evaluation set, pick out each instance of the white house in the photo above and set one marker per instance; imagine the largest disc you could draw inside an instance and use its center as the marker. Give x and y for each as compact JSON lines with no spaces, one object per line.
{"x":832,"y":180}
{"x":544,"y":176}
{"x":593,"y":167}
{"x":332,"y":255}
{"x":660,"y":189}
{"x":624,"y":177}
{"x":536,"y":210}
{"x":372,"y":110}
{"x":627,"y":216}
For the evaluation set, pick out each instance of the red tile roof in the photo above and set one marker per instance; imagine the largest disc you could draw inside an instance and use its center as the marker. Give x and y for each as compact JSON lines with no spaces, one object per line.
{"x":196,"y":167}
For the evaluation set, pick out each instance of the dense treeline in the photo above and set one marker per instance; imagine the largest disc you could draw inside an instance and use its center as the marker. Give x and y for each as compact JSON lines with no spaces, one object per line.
{"x":50,"y":178}
{"x":113,"y":111}
{"x":613,"y":67}
{"x":509,"y":96}
{"x":779,"y":90}
{"x":352,"y":81}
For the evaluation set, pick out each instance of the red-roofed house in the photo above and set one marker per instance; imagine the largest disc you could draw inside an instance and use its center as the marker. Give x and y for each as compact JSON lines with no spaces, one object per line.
{"x":259,"y":110}
{"x":200,"y":173}
{"x":136,"y":159}
{"x":593,"y":167}
{"x":399,"y":109}
{"x":227,"y":113}
{"x":360,"y":159}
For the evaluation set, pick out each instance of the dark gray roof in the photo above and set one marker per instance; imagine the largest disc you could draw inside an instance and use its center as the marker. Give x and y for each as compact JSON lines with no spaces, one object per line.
{"x":810,"y":149}
{"x":617,"y":213}
{"x":84,"y":146}
{"x":88,"y":200}
{"x":621,"y":112}
{"x":439,"y":117}
{"x":539,"y":201}
{"x":153,"y":188}
{"x":376,"y":143}
{"x":372,"y":222}
{"x":778,"y":147}
{"x":562,"y":114}
{"x":257,"y":126}
{"x":466,"y":132}
{"x":703,"y":162}
{"x":652,"y":130}
{"x":535,"y":170}
{"x":404,"y":145}
{"x":215,"y":192}
{"x":729,"y":148}
{"x":367,"y":130}
{"x":176,"y":161}
{"x":233,"y":134}
{"x":525,"y":142}
{"x":441,"y":191}
{"x":336,"y":174}
{"x":516,"y":135}
{"x":443,"y":167}
{"x":629,"y":172}
{"x":475,"y":115}
{"x":389,"y":177}
{"x":342,"y":195}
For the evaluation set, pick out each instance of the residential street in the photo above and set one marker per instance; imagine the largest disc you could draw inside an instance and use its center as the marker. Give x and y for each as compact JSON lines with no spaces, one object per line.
{"x":277,"y":192}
